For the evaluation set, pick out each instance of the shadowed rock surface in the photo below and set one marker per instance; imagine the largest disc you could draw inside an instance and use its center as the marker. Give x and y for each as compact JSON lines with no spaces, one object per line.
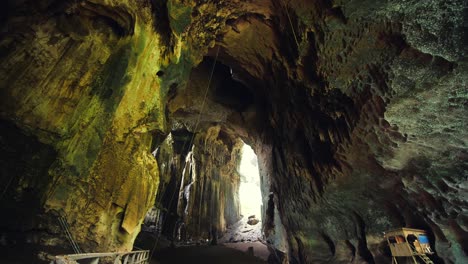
{"x":356,"y":109}
{"x":206,"y":254}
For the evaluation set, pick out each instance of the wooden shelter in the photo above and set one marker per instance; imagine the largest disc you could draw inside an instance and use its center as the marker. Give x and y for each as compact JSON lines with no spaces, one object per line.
{"x":409,"y":243}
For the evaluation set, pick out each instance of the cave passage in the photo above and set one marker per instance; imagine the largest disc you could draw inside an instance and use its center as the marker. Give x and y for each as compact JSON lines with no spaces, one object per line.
{"x":249,"y":191}
{"x":248,"y":226}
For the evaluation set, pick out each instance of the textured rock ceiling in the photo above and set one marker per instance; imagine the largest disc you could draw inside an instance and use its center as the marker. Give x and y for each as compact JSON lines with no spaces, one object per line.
{"x":356,"y":110}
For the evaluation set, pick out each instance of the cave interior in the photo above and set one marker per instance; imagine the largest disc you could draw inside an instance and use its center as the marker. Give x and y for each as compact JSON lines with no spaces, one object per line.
{"x":123,"y":126}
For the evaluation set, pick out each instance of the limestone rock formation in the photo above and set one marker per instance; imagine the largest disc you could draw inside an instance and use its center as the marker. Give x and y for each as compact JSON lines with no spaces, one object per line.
{"x":74,"y":75}
{"x":356,"y":110}
{"x":199,"y":196}
{"x":209,"y":202}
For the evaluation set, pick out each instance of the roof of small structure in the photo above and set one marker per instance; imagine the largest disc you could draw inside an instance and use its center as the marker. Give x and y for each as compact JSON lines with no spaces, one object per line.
{"x":404,"y":231}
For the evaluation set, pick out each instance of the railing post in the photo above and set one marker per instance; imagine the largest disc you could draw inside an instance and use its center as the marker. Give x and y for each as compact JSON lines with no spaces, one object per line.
{"x":134,"y":257}
{"x":118,"y":259}
{"x":126,"y":259}
{"x":59,"y":260}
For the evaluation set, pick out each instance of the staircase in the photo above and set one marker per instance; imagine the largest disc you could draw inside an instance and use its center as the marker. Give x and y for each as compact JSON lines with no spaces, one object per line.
{"x":133,"y":257}
{"x":425,"y":259}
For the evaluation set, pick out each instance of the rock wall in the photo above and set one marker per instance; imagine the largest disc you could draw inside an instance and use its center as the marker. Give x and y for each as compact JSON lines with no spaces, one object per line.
{"x":209,"y":195}
{"x":78,"y":79}
{"x":355,"y":159}
{"x":200,"y":186}
{"x":358,"y":119}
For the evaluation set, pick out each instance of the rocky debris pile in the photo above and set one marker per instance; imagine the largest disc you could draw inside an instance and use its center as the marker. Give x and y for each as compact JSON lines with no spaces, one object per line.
{"x":252,"y":220}
{"x":243,"y":231}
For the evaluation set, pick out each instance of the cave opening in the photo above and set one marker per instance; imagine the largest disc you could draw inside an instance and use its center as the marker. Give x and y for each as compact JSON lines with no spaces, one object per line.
{"x":248,"y":226}
{"x":249,"y":190}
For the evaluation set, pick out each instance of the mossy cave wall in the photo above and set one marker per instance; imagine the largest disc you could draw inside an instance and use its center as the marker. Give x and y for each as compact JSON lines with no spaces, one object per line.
{"x":356,"y":110}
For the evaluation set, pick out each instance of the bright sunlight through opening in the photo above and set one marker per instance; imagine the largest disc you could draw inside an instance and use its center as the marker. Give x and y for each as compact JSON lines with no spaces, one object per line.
{"x":249,"y":190}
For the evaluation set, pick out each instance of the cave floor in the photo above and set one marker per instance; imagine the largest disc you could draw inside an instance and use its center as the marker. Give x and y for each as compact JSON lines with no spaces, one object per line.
{"x":228,"y":253}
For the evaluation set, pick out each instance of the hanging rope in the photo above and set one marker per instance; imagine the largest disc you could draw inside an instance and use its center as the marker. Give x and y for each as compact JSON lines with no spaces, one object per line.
{"x":64,"y":224}
{"x":201,"y":111}
{"x":7,"y":186}
{"x":290,"y":23}
{"x":206,"y":93}
{"x":190,"y":144}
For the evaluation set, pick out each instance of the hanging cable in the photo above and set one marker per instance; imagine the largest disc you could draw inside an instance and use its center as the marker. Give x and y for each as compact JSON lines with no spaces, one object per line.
{"x":190,"y":144}
{"x":64,"y":224}
{"x":7,"y":186}
{"x":290,"y":23}
{"x":201,"y":111}
{"x":206,"y":93}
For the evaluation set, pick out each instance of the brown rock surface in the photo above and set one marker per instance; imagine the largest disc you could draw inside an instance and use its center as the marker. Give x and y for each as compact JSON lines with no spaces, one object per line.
{"x":73,"y":75}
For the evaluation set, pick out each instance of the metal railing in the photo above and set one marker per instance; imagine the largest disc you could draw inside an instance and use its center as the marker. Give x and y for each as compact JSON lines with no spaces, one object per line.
{"x":133,"y":257}
{"x":66,"y":228}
